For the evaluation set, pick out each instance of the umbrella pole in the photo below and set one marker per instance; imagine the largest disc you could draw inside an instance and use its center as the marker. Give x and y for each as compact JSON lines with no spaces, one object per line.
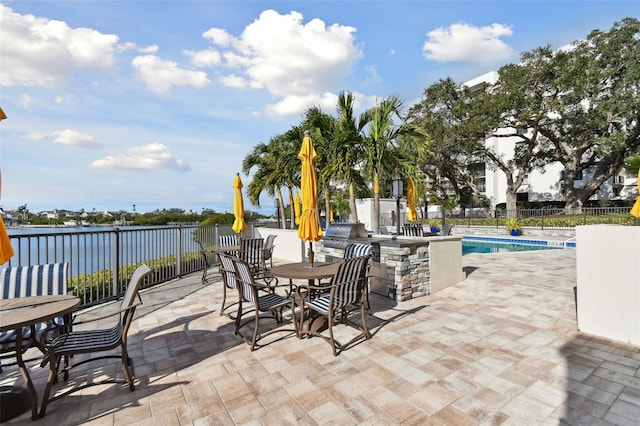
{"x":311,"y":254}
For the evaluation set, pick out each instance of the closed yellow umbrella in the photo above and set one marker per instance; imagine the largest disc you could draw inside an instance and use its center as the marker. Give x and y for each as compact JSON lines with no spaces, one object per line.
{"x":296,"y":208}
{"x":412,"y":201}
{"x":635,"y":210}
{"x":6,"y":250}
{"x":239,"y":225}
{"x":331,"y":219}
{"x":309,"y":228}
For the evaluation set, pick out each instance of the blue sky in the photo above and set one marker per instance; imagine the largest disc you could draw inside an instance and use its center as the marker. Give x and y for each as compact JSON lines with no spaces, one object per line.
{"x":156,"y":103}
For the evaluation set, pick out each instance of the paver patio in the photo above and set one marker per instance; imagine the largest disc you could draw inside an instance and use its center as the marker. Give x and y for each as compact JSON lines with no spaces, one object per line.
{"x":500,"y":347}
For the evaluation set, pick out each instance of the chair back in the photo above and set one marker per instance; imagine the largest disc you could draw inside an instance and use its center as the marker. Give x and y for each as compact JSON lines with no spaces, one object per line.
{"x":268,"y":246}
{"x":227,"y":270}
{"x":349,"y":281}
{"x":356,"y":250}
{"x":248,"y":290}
{"x":413,"y":230}
{"x":227,"y":240}
{"x":252,"y":252}
{"x":132,"y":291}
{"x":446,"y":229}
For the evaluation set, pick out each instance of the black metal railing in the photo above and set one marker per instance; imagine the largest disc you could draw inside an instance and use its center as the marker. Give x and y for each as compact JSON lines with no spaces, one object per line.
{"x":102,"y":260}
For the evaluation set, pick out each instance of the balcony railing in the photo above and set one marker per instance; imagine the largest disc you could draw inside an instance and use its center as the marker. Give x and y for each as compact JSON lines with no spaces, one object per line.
{"x":101,"y":261}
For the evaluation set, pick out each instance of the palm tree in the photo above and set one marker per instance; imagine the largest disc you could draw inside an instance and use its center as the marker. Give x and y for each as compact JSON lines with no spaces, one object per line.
{"x":347,"y":150}
{"x":271,"y":172}
{"x":322,"y":127}
{"x":379,"y":155}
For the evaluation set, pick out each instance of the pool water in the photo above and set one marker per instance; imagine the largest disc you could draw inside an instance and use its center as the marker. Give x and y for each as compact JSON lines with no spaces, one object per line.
{"x":494,"y":247}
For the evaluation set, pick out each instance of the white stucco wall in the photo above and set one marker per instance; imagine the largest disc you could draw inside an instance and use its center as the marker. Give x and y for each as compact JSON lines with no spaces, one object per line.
{"x":608,"y":281}
{"x":364,"y":206}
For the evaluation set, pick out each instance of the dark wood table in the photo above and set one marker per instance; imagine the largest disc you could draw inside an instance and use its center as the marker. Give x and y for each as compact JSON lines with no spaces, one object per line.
{"x":304,"y":271}
{"x":24,"y":312}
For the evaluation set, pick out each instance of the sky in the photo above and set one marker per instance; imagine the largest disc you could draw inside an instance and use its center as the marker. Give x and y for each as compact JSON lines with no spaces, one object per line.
{"x":155,"y":104}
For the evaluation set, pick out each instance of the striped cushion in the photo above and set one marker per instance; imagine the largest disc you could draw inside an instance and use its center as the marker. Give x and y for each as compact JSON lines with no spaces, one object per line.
{"x":346,"y":286}
{"x":36,"y":280}
{"x":356,"y":250}
{"x":227,"y":240}
{"x":227,"y":270}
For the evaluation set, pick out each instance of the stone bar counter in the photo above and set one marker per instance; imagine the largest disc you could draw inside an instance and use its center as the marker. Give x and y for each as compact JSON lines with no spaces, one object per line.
{"x":404,"y":268}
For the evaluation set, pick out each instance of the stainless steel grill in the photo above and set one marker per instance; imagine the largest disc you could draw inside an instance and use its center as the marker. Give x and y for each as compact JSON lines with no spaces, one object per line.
{"x":338,"y":235}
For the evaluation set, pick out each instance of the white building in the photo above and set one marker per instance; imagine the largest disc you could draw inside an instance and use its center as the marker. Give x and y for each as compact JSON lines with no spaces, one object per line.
{"x":540,"y":184}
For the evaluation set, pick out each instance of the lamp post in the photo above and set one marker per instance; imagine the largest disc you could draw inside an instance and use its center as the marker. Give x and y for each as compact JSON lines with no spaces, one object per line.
{"x":276,"y":204}
{"x":397,"y":193}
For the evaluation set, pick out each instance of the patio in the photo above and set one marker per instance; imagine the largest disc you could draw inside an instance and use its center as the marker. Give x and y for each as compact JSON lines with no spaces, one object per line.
{"x":500,"y":347}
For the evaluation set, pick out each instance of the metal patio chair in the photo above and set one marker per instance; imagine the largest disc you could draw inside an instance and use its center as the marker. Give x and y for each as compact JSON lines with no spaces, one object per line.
{"x":95,"y":341}
{"x":261,"y":298}
{"x":345,"y":291}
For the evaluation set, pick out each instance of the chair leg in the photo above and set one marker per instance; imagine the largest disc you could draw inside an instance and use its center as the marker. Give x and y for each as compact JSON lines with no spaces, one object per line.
{"x":224,"y":298}
{"x":333,"y":340}
{"x":238,"y":317}
{"x":54,"y":363}
{"x":256,"y":328}
{"x":363,"y":318}
{"x":125,"y":368}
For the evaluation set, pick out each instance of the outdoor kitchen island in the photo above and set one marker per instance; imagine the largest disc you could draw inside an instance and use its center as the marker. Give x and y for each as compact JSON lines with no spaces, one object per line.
{"x":402,"y":268}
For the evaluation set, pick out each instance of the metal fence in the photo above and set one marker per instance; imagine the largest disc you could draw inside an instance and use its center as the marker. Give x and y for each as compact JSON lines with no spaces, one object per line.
{"x":101,"y":260}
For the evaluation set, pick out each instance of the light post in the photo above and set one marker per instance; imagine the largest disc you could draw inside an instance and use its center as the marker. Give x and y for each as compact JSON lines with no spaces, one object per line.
{"x":397,"y":193}
{"x":276,"y":204}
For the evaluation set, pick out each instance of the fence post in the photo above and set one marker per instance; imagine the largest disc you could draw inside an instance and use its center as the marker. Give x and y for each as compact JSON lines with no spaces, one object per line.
{"x":179,"y":252}
{"x":215,"y":236}
{"x":116,"y":263}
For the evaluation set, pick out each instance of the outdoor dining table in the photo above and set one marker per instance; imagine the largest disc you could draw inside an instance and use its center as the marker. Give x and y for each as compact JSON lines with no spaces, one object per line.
{"x":22,"y":312}
{"x":304,"y":271}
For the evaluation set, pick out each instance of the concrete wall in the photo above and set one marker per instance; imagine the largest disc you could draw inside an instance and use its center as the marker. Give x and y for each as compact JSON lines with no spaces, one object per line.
{"x":445,"y":260}
{"x":287,"y":245}
{"x":608,"y":281}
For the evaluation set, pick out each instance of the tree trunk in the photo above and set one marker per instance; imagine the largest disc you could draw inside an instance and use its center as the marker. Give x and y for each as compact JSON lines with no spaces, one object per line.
{"x":327,"y":208}
{"x":291,"y":209}
{"x":352,"y":205}
{"x":512,"y":205}
{"x":283,"y":219}
{"x":375,"y":220}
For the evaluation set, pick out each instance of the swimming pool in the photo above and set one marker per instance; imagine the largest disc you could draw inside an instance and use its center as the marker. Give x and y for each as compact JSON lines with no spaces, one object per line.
{"x":472,"y":244}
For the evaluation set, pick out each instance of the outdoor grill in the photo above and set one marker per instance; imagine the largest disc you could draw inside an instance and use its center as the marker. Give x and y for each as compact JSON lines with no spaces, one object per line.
{"x":338,"y":235}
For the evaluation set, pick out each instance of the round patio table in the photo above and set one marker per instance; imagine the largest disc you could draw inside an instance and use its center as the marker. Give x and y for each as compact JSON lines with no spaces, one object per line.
{"x":304,"y":271}
{"x":23,"y":312}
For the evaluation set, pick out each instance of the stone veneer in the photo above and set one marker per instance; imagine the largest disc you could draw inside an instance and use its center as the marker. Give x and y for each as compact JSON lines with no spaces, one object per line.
{"x":404,"y":263}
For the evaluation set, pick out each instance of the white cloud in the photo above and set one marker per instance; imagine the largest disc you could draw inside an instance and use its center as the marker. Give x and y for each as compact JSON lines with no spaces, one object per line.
{"x":41,"y":52}
{"x":218,"y":37}
{"x":160,"y":76}
{"x":36,"y":135}
{"x":373,"y":77}
{"x":296,"y":61}
{"x":204,"y":58}
{"x":150,"y":157}
{"x":294,"y":104}
{"x":234,"y":81}
{"x":149,"y":49}
{"x":75,"y":138}
{"x":464,"y":42}
{"x":26,"y":101}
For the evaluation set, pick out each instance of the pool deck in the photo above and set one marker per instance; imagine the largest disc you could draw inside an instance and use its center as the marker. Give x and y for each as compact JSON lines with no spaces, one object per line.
{"x":499,"y":348}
